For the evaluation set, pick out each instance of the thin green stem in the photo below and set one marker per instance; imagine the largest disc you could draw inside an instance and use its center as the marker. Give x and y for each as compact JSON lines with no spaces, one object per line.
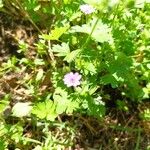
{"x":138,"y":139}
{"x":87,"y":40}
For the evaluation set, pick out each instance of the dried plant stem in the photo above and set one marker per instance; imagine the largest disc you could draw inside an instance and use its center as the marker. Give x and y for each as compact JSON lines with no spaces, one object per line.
{"x":28,"y":16}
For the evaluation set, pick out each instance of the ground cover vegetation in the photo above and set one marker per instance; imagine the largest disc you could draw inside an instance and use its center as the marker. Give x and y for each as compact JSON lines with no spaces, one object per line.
{"x":74,"y":75}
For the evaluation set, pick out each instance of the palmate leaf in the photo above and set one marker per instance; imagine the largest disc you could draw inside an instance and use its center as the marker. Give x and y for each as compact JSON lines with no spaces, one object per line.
{"x":72,"y":105}
{"x":87,"y":65}
{"x":55,"y":34}
{"x":109,"y":79}
{"x":61,"y":50}
{"x":90,"y":67}
{"x":101,"y":33}
{"x":72,"y":55}
{"x":45,"y":110}
{"x":95,"y":108}
{"x":4,"y":103}
{"x":66,"y":105}
{"x":64,"y":50}
{"x":121,"y":65}
{"x":63,"y":103}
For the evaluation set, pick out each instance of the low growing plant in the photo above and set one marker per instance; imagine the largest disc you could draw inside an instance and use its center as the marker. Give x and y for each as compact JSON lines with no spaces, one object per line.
{"x":90,"y":48}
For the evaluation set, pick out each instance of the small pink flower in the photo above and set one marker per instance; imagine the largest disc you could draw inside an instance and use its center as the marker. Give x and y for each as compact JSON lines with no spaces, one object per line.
{"x":72,"y":79}
{"x":87,"y":9}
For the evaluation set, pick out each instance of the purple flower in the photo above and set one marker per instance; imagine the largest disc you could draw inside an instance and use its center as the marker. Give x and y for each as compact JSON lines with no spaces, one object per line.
{"x":72,"y":79}
{"x":87,"y":9}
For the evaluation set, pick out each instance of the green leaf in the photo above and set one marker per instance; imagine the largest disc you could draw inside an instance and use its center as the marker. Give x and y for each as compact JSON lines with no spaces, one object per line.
{"x":95,"y":108}
{"x":91,"y":68}
{"x":121,"y":65}
{"x":122,"y":105}
{"x":61,"y":99}
{"x":148,"y":66}
{"x":88,"y":65}
{"x":64,"y":50}
{"x":109,"y":79}
{"x":71,"y":56}
{"x":38,"y":147}
{"x":2,"y":145}
{"x":55,"y":34}
{"x":61,"y":107}
{"x":39,"y":75}
{"x":45,"y":110}
{"x":4,"y":129}
{"x":71,"y":106}
{"x":63,"y":102}
{"x":1,"y":4}
{"x":4,"y":103}
{"x":16,"y":132}
{"x":38,"y":61}
{"x":101,"y":33}
{"x":67,"y":1}
{"x":140,"y":3}
{"x":93,"y":2}
{"x":61,"y":50}
{"x":145,"y":115}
